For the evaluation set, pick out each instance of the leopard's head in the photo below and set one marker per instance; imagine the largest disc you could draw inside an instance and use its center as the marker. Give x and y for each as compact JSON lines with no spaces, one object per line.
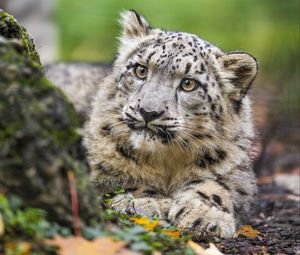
{"x":180,"y":90}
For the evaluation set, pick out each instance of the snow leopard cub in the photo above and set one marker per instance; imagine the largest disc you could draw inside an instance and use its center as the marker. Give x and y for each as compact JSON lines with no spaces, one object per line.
{"x":172,"y":126}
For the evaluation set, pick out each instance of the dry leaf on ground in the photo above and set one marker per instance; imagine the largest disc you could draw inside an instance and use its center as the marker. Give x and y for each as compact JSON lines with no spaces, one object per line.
{"x":248,"y":231}
{"x":80,"y":246}
{"x":212,"y":250}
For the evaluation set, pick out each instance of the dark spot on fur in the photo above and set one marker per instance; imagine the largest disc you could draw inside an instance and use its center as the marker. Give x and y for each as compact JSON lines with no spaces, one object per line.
{"x":103,"y":168}
{"x":138,"y":17}
{"x":242,"y":192}
{"x":131,"y":189}
{"x":111,"y":95}
{"x":187,"y":68}
{"x":193,"y":182}
{"x":150,"y":192}
{"x":150,"y":56}
{"x":221,"y":154}
{"x":201,"y":194}
{"x":180,"y":212}
{"x":229,"y":62}
{"x":106,"y":130}
{"x":204,"y":87}
{"x":237,"y":210}
{"x":236,"y":104}
{"x":225,"y":209}
{"x":126,"y":151}
{"x":213,"y":107}
{"x":135,"y":32}
{"x":197,"y":223}
{"x":223,"y":184}
{"x":217,"y":199}
{"x":211,"y":159}
{"x":213,"y":228}
{"x":201,"y":163}
{"x":130,"y":117}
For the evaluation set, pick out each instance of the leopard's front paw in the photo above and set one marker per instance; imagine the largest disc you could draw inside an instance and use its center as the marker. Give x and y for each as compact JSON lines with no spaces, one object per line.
{"x":147,"y":207}
{"x":126,"y":203}
{"x":201,"y":221}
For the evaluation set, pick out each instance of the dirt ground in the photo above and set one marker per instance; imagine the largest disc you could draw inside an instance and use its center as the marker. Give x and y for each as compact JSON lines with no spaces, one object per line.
{"x":277,"y":217}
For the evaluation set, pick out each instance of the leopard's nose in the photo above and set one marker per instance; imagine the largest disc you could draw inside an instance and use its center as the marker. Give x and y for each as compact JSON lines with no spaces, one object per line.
{"x":149,"y":116}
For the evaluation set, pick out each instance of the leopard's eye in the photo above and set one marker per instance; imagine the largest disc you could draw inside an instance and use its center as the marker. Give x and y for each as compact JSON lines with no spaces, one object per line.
{"x":188,"y":84}
{"x":141,"y":71}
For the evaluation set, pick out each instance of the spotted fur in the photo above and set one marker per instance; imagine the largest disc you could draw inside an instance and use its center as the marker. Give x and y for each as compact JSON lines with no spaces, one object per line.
{"x":183,"y":155}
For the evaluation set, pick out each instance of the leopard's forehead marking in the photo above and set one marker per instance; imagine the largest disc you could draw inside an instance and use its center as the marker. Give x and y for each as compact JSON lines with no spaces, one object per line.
{"x":176,"y":53}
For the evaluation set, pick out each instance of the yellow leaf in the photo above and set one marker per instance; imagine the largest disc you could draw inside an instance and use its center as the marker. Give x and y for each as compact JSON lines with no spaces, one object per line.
{"x":145,"y":222}
{"x":21,"y":248}
{"x":2,"y":226}
{"x":174,"y":234}
{"x":80,"y":246}
{"x":140,"y":221}
{"x":199,"y":250}
{"x":248,"y":231}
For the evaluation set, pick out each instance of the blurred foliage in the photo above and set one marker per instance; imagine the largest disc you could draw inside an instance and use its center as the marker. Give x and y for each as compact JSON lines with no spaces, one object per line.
{"x":267,"y":29}
{"x":27,"y":228}
{"x":24,"y":228}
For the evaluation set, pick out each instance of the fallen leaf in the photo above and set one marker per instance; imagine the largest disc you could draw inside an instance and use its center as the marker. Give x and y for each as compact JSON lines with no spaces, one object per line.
{"x":2,"y":226}
{"x":20,"y":248}
{"x":248,"y":231}
{"x":212,"y":250}
{"x":174,"y":234}
{"x":145,"y":222}
{"x":80,"y":246}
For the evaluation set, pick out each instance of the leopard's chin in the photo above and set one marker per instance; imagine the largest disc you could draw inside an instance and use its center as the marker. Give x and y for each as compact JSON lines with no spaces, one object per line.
{"x":148,"y":140}
{"x":148,"y":134}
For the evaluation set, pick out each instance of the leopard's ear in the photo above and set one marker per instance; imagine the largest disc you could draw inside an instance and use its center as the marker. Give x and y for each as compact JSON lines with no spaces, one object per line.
{"x":134,"y":25}
{"x":239,"y":69}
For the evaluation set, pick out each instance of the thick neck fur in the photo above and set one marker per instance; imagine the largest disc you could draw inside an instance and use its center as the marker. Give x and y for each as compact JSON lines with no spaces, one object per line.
{"x":167,"y":164}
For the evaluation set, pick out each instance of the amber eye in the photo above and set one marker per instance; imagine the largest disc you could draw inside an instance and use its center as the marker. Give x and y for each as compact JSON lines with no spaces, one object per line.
{"x":141,"y":71}
{"x":189,"y":84}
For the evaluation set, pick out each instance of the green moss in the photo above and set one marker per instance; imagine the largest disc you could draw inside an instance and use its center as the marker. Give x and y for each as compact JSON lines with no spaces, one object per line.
{"x":39,"y":142}
{"x":10,"y":29}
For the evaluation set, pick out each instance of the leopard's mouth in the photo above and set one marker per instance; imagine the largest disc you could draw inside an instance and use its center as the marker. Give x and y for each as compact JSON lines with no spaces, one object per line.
{"x":153,"y":131}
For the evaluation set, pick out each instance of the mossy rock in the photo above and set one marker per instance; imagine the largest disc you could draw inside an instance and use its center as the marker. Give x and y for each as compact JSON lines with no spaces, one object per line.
{"x":10,"y":29}
{"x":39,"y":140}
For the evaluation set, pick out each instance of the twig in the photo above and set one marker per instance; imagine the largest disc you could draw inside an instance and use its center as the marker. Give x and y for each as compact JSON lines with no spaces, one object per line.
{"x":74,"y":201}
